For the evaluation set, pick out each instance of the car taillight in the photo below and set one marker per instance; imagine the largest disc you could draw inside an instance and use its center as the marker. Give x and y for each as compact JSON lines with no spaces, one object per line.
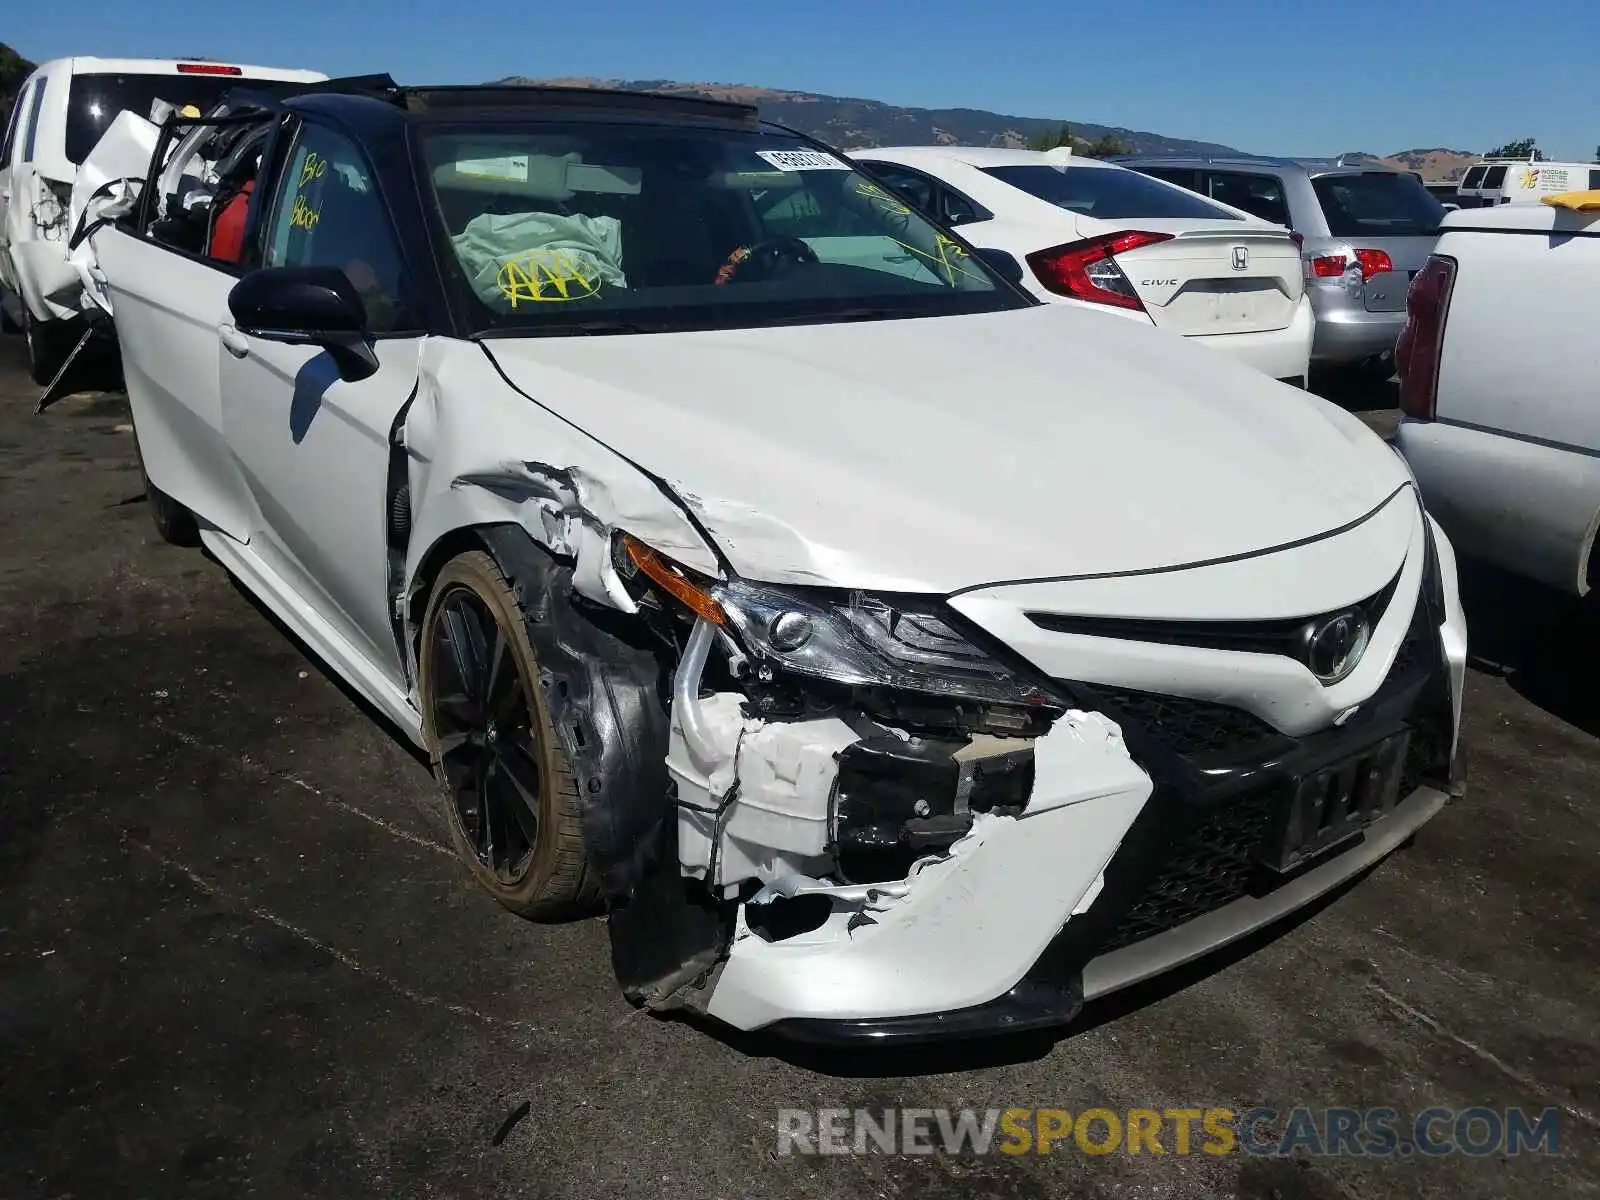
{"x":1373,"y":262}
{"x":208,"y":69}
{"x":1087,"y":270}
{"x":1329,"y":266}
{"x":1416,"y":355}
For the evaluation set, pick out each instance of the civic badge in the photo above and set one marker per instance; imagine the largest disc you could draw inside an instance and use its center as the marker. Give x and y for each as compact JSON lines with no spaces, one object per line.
{"x":1334,"y":645}
{"x":1241,"y":258}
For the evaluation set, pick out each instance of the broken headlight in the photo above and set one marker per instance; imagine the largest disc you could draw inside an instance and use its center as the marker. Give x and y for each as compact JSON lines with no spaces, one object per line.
{"x":864,"y":641}
{"x":847,"y":640}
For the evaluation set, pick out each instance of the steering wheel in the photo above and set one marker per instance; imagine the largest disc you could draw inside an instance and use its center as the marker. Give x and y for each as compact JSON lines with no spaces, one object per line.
{"x":765,"y":258}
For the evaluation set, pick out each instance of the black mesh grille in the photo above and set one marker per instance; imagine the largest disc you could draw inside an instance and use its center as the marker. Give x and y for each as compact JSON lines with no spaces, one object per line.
{"x":1190,"y":727}
{"x":1210,"y":867}
{"x":1214,"y":863}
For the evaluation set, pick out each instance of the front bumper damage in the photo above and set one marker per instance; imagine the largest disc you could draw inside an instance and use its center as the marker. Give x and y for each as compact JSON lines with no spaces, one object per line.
{"x":1133,"y":849}
{"x":958,"y":932}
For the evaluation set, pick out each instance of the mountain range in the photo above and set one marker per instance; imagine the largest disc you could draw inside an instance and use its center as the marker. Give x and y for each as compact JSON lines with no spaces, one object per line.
{"x":851,"y":123}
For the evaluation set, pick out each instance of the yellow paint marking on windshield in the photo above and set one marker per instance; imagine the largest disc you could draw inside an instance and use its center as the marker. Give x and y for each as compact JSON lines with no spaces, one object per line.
{"x":545,"y":276}
{"x":945,"y":258}
{"x":303,"y":215}
{"x":888,"y":204}
{"x":315,"y":168}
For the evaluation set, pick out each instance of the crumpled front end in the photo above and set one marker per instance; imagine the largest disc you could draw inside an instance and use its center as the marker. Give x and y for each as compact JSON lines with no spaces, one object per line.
{"x":900,"y":876}
{"x":1018,"y":806}
{"x":847,"y":814}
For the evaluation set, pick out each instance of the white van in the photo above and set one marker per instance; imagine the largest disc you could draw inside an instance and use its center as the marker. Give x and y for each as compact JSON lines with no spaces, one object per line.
{"x":1512,"y":181}
{"x":60,"y":113}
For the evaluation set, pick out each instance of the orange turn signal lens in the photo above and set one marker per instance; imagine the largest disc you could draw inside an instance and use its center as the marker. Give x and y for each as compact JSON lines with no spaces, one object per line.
{"x":673,"y":580}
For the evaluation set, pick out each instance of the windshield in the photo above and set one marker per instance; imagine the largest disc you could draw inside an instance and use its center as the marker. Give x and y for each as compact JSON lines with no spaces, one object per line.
{"x":590,"y":227}
{"x":95,"y":101}
{"x":1379,"y":204}
{"x":1107,"y":193}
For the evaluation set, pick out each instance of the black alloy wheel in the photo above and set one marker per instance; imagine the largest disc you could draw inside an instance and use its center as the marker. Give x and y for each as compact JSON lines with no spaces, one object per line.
{"x":509,"y":797}
{"x":485,"y":738}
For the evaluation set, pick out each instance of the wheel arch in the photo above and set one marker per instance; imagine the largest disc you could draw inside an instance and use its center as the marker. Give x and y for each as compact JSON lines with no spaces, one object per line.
{"x":605,"y":678}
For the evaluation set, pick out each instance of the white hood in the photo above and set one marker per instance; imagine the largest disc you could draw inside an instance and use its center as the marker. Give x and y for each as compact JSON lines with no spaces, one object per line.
{"x":934,"y":454}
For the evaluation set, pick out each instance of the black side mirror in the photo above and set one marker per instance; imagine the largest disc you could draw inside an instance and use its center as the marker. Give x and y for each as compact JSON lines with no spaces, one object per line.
{"x":307,"y":306}
{"x":1003,"y":264}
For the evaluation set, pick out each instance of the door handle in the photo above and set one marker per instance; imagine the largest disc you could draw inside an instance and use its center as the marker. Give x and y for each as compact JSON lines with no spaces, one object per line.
{"x":234,"y":342}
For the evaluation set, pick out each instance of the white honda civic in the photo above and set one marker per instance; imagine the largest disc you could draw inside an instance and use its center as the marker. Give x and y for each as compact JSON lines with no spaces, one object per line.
{"x":1103,"y":237}
{"x":887,"y":654}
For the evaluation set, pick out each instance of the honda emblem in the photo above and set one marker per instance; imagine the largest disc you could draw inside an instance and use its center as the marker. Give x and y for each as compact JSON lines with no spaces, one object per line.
{"x":1241,"y":258}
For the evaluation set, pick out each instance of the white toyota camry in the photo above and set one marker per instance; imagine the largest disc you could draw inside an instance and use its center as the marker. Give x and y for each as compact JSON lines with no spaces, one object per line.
{"x":1113,"y":240}
{"x":887,"y":653}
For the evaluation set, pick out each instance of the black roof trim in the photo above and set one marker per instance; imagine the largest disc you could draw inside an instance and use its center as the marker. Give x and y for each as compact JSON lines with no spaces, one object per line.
{"x":250,"y":94}
{"x":380,"y":85}
{"x":433,"y":99}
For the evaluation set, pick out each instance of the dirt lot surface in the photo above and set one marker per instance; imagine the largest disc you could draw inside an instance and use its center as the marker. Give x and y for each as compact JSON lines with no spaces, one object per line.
{"x":236,"y":958}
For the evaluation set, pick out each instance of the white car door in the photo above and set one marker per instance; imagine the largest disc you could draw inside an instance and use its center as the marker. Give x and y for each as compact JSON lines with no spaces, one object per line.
{"x":167,"y":304}
{"x":23,"y":114}
{"x":314,"y":448}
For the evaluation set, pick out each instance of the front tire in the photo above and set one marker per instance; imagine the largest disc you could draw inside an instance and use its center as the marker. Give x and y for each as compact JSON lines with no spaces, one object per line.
{"x":510,"y":799}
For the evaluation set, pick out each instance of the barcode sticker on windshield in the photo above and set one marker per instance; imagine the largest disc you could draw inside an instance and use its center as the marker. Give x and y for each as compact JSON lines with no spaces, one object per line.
{"x":803,"y":160}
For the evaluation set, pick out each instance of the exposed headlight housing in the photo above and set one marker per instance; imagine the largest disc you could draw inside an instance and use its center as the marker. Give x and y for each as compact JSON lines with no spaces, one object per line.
{"x":864,"y":641}
{"x":850,"y":640}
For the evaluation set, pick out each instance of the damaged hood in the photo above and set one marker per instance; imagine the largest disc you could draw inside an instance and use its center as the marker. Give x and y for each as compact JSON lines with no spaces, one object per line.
{"x":934,"y":454}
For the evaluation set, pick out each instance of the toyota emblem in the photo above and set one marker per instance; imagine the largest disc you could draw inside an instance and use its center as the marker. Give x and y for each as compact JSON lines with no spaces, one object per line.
{"x":1334,"y":645}
{"x":1241,"y":258}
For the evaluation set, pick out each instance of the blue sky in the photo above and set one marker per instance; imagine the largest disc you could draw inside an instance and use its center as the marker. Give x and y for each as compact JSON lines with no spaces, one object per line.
{"x":1267,"y":77}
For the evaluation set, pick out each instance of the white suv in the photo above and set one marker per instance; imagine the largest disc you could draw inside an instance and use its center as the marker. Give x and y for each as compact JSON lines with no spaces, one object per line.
{"x":63,"y":108}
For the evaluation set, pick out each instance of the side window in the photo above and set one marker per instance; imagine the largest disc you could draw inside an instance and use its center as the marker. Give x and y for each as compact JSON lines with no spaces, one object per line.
{"x":1184,"y":177}
{"x":31,"y":121}
{"x":1259,"y":195}
{"x":22,"y":102}
{"x":932,"y":197}
{"x":913,"y":186}
{"x":1594,"y":178}
{"x":958,"y":210}
{"x":327,"y":213}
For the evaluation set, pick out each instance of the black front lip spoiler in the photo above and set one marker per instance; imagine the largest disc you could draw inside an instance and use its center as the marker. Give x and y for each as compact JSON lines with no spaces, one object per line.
{"x":1033,"y":1004}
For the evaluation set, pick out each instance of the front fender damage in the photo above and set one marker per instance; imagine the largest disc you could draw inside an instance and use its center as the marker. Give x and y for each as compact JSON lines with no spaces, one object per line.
{"x":469,"y":454}
{"x":825,"y":866}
